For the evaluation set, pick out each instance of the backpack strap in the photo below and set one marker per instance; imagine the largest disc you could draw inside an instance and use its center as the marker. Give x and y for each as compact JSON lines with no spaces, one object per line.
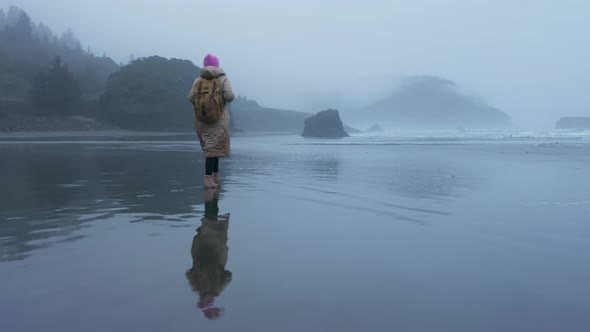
{"x":222,"y":88}
{"x":199,"y":89}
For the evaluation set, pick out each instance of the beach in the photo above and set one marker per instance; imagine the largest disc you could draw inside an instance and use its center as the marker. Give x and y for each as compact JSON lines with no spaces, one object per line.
{"x":368,"y":233}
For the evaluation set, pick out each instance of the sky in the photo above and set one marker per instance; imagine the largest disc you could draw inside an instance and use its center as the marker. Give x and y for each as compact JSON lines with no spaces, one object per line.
{"x":530,"y":58}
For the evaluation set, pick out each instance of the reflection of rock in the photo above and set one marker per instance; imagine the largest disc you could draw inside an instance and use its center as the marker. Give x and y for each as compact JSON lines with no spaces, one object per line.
{"x":325,"y":124}
{"x":208,"y":276}
{"x":573,"y":123}
{"x":323,"y":167}
{"x":375,"y":129}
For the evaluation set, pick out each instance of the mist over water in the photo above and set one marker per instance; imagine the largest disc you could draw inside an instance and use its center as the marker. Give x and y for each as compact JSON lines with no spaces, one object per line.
{"x":454,"y":201}
{"x":527,"y":58}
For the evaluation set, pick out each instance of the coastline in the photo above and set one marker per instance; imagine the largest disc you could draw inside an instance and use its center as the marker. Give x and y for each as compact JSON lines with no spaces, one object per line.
{"x":88,"y":133}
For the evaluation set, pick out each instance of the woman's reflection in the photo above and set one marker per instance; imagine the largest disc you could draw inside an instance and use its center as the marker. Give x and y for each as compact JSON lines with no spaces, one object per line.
{"x":208,"y":276}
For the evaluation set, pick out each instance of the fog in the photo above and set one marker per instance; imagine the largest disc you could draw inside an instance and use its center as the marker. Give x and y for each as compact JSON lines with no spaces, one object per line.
{"x":528,"y":58}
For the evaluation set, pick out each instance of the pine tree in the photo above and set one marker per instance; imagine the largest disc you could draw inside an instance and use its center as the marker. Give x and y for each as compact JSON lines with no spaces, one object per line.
{"x":27,"y":48}
{"x":55,"y":91}
{"x":23,"y":27}
{"x":43,"y":32}
{"x":13,"y":15}
{"x":2,"y":19}
{"x":69,"y":40}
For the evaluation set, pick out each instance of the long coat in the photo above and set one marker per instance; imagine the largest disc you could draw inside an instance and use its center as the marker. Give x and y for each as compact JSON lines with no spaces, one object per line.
{"x":209,"y":251}
{"x":214,"y":137}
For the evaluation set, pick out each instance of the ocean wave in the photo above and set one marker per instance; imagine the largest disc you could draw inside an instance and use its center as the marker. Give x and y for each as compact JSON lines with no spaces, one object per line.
{"x":479,"y":134}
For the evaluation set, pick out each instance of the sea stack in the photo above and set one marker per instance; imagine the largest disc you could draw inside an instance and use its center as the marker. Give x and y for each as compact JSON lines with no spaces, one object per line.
{"x":573,"y":123}
{"x":325,"y":124}
{"x":375,"y":129}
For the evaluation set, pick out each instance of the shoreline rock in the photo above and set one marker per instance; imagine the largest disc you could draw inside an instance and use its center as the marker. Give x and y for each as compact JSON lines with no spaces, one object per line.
{"x":375,"y":129}
{"x":573,"y":123}
{"x":325,"y":124}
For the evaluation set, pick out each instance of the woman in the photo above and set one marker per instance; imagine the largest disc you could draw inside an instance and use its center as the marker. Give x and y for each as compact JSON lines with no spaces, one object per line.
{"x":214,"y":136}
{"x":208,"y":276}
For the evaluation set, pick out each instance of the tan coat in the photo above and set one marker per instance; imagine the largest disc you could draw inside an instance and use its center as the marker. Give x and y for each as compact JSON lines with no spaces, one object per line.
{"x":214,"y":137}
{"x":209,"y":251}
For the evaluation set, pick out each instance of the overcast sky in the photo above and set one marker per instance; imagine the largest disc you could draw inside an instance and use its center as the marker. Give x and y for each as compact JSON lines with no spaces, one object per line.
{"x":531,"y":58}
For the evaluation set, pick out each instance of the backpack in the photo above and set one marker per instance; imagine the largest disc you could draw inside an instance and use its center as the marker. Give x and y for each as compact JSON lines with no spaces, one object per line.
{"x":209,"y":103}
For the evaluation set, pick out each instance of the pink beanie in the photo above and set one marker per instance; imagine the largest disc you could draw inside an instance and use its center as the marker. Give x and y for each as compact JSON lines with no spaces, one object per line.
{"x":211,"y":61}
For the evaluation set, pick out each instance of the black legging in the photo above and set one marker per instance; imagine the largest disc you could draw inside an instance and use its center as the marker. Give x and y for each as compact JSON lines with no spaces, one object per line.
{"x":211,"y":166}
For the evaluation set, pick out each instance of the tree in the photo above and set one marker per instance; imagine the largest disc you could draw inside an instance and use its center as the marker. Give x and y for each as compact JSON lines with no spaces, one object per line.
{"x":43,"y":32}
{"x":13,"y":15}
{"x":93,"y":76}
{"x":23,"y":28}
{"x":150,"y":94}
{"x":55,"y":91}
{"x":27,"y":48}
{"x":2,"y":19}
{"x":69,"y":40}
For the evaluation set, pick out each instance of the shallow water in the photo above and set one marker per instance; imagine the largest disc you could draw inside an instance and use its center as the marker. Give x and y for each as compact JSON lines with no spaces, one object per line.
{"x":368,"y":233}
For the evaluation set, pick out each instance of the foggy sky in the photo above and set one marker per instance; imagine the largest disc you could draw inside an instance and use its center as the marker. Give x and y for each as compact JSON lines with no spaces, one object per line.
{"x":531,"y":58}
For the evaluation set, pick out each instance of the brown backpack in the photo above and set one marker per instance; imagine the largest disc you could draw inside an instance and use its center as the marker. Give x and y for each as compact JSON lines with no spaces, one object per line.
{"x":209,"y":102}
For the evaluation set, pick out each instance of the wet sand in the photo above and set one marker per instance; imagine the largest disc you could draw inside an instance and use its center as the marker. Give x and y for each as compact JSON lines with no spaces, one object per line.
{"x":360,"y":235}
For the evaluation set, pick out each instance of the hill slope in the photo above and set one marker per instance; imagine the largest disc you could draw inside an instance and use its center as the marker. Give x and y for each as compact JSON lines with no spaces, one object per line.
{"x":434,"y":103}
{"x":27,"y":48}
{"x":248,"y":116}
{"x":150,"y":94}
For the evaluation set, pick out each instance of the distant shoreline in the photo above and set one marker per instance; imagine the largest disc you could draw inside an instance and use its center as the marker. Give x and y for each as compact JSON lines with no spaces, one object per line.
{"x":89,"y":133}
{"x":120,"y":133}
